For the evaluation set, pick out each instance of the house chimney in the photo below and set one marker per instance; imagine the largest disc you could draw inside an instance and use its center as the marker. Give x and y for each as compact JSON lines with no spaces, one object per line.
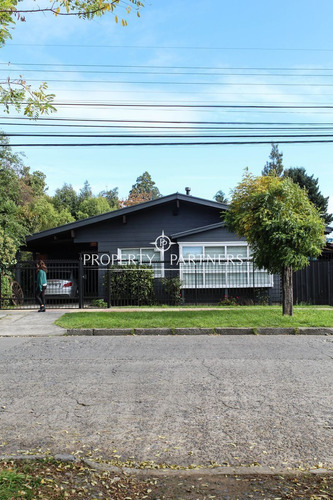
{"x":188,"y":190}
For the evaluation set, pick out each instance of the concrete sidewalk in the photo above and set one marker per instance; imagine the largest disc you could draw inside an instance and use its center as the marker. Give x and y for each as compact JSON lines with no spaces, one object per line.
{"x":30,"y":323}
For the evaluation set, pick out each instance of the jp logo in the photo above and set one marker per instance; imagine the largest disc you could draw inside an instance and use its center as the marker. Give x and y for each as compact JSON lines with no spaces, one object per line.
{"x":163,"y":243}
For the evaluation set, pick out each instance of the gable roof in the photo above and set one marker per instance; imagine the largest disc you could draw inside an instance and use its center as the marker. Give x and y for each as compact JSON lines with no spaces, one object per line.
{"x":125,"y":211}
{"x":198,"y":230}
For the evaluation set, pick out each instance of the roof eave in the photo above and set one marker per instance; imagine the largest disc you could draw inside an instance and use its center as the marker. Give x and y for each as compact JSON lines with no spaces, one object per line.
{"x":197,"y":230}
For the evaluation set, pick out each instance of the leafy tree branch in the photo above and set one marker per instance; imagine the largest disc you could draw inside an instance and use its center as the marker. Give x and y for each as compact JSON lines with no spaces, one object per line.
{"x":84,"y":9}
{"x":18,"y":93}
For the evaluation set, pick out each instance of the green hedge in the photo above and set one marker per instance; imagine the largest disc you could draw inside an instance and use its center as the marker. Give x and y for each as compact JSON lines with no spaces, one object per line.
{"x":6,"y":291}
{"x":172,"y":290}
{"x":130,"y":284}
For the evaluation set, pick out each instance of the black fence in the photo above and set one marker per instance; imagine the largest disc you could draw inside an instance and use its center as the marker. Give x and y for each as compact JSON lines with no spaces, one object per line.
{"x":71,"y":284}
{"x":314,"y":284}
{"x":18,"y":285}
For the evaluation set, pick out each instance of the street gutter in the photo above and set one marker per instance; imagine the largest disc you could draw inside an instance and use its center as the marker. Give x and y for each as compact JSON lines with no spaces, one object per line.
{"x":200,"y":331}
{"x":166,"y":471}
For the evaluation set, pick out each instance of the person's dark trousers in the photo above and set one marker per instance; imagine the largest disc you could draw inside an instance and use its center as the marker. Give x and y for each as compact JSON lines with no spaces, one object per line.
{"x":40,"y":296}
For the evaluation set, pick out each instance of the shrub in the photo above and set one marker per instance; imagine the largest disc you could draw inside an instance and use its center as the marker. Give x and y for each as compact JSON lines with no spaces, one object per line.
{"x":172,"y":290}
{"x":99,"y":303}
{"x":6,"y":291}
{"x":261,"y":297}
{"x":229,"y":301}
{"x":131,"y":284}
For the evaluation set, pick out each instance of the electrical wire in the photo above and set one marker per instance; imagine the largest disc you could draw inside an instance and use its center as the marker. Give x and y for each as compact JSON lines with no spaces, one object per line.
{"x":171,"y":144}
{"x":104,"y":120}
{"x":250,"y":68}
{"x":191,"y":106}
{"x":11,"y":70}
{"x":142,"y":82}
{"x":165,"y":127}
{"x":171,"y":47}
{"x":170,"y":136}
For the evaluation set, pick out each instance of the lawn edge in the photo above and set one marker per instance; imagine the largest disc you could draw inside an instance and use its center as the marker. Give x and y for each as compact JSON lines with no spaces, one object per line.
{"x":200,"y":331}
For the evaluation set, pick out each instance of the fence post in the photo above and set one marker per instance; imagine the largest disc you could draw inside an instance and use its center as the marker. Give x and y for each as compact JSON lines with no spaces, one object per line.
{"x":108,"y":284}
{"x":253,"y":284}
{"x":329,"y":276}
{"x":196,"y":283}
{"x":81,"y":270}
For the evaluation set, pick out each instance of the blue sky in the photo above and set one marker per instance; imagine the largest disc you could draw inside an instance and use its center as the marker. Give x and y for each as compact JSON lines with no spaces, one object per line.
{"x":168,"y":39}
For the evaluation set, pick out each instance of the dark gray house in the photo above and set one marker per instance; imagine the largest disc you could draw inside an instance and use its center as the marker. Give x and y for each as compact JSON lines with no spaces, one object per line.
{"x":178,"y":235}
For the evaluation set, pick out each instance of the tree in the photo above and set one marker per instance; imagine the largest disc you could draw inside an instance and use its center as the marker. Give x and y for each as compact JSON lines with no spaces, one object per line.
{"x":92,"y":206}
{"x":41,"y":214}
{"x":143,"y":190}
{"x":66,"y":198}
{"x":17,"y":92}
{"x":220,"y":197}
{"x":275,"y":166}
{"x":112,"y":197}
{"x":282,"y":226}
{"x":19,"y":191}
{"x":300,"y":177}
{"x":85,"y":192}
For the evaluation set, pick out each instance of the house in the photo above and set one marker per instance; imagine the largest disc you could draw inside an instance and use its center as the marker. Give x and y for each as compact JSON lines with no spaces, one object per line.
{"x":178,"y":235}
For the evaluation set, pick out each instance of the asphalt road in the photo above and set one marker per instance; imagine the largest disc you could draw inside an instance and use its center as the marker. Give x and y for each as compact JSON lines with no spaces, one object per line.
{"x":177,"y":400}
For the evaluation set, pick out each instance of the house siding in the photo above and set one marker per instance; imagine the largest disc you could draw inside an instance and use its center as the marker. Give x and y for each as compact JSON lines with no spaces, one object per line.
{"x":142,"y":228}
{"x":221,"y":234}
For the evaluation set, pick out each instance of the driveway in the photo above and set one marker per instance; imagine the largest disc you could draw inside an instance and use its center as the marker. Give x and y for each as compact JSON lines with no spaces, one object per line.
{"x":30,"y":323}
{"x":178,"y":400}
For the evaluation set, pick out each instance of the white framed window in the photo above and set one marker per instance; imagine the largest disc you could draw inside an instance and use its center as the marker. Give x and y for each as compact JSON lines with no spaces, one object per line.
{"x":147,"y":256}
{"x":220,"y":265}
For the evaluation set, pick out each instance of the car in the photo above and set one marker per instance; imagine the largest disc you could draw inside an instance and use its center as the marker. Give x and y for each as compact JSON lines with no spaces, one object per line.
{"x":61,"y":284}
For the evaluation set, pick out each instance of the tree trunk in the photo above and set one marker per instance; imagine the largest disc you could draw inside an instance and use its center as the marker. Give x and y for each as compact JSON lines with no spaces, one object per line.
{"x":287,"y":291}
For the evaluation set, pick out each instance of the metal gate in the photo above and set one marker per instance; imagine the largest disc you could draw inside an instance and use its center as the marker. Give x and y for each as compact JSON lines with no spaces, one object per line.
{"x":18,"y":285}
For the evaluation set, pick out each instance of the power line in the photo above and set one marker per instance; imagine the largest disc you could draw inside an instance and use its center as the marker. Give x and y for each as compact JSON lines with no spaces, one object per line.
{"x":191,"y":106}
{"x":105,"y":120}
{"x":150,"y":144}
{"x":170,"y":47}
{"x":171,"y":136}
{"x":170,"y":127}
{"x":250,"y":68}
{"x":188,"y":92}
{"x":239,"y":84}
{"x":273,"y":137}
{"x":321,"y":75}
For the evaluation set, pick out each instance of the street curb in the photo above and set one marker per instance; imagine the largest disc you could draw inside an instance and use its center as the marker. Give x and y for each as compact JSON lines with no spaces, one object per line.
{"x":200,"y":331}
{"x":314,"y":331}
{"x":214,"y":471}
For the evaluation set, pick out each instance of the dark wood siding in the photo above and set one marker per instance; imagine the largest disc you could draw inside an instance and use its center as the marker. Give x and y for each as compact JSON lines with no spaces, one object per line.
{"x":142,"y":228}
{"x":213,"y":235}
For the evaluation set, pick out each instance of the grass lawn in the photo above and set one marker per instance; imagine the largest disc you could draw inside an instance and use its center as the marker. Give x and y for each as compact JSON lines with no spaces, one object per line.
{"x":234,"y":317}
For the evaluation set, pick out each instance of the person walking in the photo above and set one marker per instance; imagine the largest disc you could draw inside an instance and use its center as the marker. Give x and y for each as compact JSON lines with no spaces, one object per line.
{"x":41,"y":285}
